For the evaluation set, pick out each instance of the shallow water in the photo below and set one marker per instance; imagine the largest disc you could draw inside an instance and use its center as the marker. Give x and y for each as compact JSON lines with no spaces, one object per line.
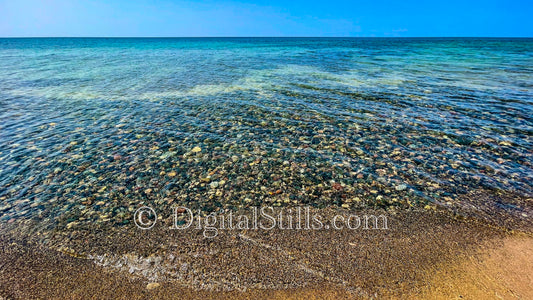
{"x":91,"y":129}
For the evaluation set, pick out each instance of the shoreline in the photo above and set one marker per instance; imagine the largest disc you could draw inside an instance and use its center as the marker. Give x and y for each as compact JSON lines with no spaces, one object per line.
{"x":422,"y":252}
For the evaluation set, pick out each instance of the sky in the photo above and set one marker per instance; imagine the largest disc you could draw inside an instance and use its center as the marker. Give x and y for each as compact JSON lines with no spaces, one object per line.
{"x":354,"y":18}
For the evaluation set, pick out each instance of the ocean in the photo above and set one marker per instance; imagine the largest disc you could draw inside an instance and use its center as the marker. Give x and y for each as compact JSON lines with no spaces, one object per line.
{"x":93,"y":127}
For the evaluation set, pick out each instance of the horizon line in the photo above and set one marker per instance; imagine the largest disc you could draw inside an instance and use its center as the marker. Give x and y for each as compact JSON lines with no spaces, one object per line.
{"x":317,"y":37}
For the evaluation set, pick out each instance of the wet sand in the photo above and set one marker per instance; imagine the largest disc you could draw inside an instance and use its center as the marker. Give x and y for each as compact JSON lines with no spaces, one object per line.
{"x":503,"y":271}
{"x":424,"y":254}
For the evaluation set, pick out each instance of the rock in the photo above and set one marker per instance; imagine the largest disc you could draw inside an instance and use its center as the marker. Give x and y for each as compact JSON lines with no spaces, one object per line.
{"x":167,"y":154}
{"x":345,"y":205}
{"x":196,"y":149}
{"x":214,"y":184}
{"x":171,"y":174}
{"x":152,"y":285}
{"x":72,"y":224}
{"x":5,"y":207}
{"x":401,"y":187}
{"x":184,"y":268}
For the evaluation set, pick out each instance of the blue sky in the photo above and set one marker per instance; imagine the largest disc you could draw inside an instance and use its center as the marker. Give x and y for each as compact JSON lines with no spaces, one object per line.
{"x":380,"y":18}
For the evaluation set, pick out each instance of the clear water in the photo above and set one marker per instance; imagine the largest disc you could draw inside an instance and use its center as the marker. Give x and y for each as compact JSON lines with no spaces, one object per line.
{"x":91,"y":128}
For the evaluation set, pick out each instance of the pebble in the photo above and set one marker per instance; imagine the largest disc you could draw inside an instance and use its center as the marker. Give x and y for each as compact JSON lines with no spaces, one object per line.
{"x":196,"y":149}
{"x":401,"y":187}
{"x":71,"y":224}
{"x":152,"y":285}
{"x":214,"y":184}
{"x":167,"y":154}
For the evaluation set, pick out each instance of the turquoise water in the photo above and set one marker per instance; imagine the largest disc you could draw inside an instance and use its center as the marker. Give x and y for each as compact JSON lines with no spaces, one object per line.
{"x":91,"y":128}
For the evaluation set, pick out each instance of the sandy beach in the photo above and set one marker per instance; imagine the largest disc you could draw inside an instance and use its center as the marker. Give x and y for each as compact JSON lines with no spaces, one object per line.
{"x":424,"y":254}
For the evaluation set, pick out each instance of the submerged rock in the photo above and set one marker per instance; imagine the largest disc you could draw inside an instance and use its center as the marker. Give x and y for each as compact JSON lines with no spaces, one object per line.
{"x":401,"y":187}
